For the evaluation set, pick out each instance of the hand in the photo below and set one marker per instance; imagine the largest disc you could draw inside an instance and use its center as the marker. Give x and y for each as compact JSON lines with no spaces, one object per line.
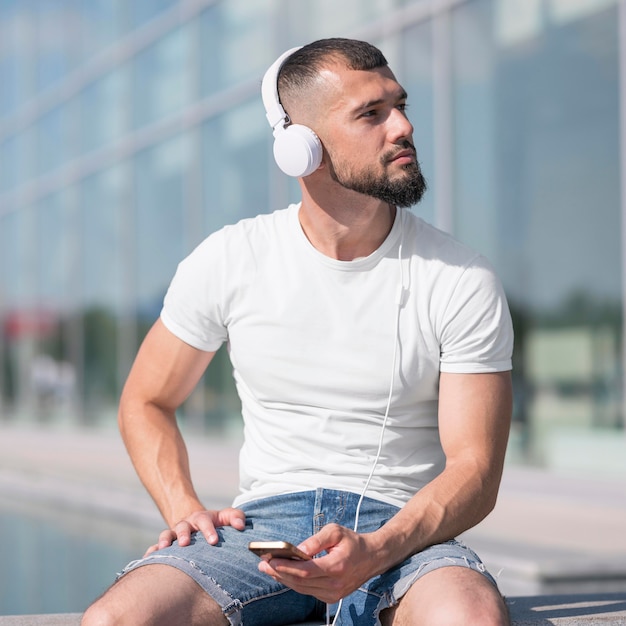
{"x":200,"y":521}
{"x":349,"y":562}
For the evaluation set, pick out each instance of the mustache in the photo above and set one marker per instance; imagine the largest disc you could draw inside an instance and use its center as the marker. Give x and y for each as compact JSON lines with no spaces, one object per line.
{"x":403,"y":147}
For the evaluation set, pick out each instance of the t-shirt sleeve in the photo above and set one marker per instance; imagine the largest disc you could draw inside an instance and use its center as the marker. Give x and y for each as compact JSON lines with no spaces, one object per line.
{"x":191,"y":308}
{"x":477,"y":333}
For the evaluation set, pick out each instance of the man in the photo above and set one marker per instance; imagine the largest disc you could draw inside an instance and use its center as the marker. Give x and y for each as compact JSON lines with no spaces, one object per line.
{"x":371,"y":353}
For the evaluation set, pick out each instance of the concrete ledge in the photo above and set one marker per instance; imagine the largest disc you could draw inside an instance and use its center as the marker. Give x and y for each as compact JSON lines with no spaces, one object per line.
{"x":568,"y":610}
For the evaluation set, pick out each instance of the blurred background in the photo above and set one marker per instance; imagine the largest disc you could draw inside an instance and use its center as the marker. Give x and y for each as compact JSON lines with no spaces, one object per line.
{"x":131,"y":129}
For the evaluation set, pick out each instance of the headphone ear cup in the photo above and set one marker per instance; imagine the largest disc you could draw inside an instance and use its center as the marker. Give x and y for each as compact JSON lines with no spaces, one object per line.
{"x":297,"y":150}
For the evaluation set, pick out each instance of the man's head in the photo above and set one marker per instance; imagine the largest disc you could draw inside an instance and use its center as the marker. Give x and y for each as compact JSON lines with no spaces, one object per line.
{"x":300,"y":76}
{"x":344,"y":91}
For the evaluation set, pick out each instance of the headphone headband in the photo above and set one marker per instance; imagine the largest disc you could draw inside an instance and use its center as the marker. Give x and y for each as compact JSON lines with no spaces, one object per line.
{"x":269,"y":91}
{"x":297,"y":149}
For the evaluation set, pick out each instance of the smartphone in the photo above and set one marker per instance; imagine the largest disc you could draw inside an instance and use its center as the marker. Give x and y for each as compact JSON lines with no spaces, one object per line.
{"x":277,"y":550}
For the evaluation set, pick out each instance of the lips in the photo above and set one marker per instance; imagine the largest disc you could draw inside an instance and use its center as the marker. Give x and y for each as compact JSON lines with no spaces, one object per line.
{"x":406,"y":156}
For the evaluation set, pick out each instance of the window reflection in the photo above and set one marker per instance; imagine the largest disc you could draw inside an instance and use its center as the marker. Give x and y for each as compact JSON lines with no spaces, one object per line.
{"x":235,"y":156}
{"x":105,"y":268}
{"x":234,"y":41}
{"x":53,"y":139}
{"x":57,"y":53}
{"x":54,"y":365}
{"x":309,"y":19}
{"x":538,"y":191}
{"x":534,"y":181}
{"x":25,"y":156}
{"x":22,"y":324}
{"x":160,"y":221}
{"x":101,"y":23}
{"x":416,"y":75}
{"x":162,"y":79}
{"x":104,"y":110}
{"x":8,"y":173}
{"x":141,"y":11}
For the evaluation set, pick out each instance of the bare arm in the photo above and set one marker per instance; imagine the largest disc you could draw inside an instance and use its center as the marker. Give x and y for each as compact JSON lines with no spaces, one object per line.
{"x":474,"y":421}
{"x":165,"y":372}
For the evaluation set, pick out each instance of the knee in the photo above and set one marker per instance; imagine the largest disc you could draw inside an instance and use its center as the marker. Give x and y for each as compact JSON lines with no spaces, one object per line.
{"x":476,"y":614}
{"x":99,"y":614}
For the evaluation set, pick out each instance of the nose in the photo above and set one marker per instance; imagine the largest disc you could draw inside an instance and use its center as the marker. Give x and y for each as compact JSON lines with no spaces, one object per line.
{"x":400,"y":126}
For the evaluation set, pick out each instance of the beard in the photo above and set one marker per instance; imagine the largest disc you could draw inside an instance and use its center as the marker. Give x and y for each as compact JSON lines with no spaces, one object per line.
{"x":403,"y":191}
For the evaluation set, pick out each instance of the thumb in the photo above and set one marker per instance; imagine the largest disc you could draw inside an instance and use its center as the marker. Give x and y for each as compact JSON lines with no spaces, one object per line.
{"x":328,"y":537}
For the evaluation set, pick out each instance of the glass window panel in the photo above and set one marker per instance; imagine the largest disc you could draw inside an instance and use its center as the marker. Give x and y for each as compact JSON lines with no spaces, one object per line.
{"x":16,"y":55}
{"x":57,"y":252}
{"x":308,"y":20}
{"x":19,"y":319}
{"x":538,"y":190}
{"x":104,"y":202}
{"x":9,"y":75}
{"x":25,"y":152}
{"x":141,"y":11}
{"x":54,"y":365}
{"x":58,"y":27}
{"x":236,"y":165}
{"x":102,"y":23}
{"x":8,"y":164}
{"x":162,"y":77}
{"x":105,"y":270}
{"x":53,"y":139}
{"x":104,"y":109}
{"x":234,"y":42}
{"x":416,"y":75}
{"x":161,"y":205}
{"x":17,"y":266}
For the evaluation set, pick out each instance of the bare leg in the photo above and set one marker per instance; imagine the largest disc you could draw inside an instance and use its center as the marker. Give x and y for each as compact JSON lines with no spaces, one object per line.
{"x":449,"y":596}
{"x":155,"y":595}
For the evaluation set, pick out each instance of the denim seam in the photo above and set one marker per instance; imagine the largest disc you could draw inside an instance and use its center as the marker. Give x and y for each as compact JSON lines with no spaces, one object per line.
{"x":278,"y":592}
{"x":227,"y":603}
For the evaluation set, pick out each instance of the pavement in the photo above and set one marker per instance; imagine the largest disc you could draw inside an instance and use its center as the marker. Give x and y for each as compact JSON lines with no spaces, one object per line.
{"x":599,"y":609}
{"x":549,"y":533}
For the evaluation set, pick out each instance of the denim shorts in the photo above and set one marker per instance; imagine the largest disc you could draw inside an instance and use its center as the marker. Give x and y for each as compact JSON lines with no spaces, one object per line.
{"x":228,"y":571}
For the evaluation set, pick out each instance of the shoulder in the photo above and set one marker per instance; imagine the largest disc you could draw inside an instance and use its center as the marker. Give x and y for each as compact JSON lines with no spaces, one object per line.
{"x":259,"y":225}
{"x":234,"y":241}
{"x":438,"y":253}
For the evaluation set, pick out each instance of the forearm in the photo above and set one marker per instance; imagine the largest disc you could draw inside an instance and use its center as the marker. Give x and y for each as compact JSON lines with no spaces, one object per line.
{"x":159,"y":455}
{"x":474,"y":421}
{"x":457,"y":500}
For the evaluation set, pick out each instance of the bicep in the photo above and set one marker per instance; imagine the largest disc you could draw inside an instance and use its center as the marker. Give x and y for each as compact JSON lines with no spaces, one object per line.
{"x":166,"y":369}
{"x":475,"y":416}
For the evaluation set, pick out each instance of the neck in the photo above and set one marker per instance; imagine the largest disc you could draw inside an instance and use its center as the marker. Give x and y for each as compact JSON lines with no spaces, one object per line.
{"x":347,"y":228}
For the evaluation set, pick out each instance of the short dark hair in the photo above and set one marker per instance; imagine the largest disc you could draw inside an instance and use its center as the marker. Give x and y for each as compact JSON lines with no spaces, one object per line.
{"x":301,"y":68}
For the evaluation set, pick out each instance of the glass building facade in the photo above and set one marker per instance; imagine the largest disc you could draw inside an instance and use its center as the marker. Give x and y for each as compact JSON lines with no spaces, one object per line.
{"x":129,"y":131}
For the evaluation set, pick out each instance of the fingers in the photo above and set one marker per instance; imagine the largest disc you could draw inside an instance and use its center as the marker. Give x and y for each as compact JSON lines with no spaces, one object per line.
{"x":232,"y":517}
{"x":330,"y":577}
{"x":305,"y":577}
{"x":205,"y":522}
{"x":182,"y":532}
{"x":166,"y":538}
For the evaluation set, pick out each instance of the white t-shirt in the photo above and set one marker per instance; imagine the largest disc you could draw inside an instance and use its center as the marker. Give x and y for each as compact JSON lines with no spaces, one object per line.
{"x":312,"y":341}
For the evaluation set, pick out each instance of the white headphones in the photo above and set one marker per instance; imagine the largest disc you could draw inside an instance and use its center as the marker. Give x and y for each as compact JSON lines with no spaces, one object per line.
{"x":297,"y":149}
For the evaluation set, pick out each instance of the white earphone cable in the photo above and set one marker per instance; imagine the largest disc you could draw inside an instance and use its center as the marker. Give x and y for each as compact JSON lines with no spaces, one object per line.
{"x":400,"y":303}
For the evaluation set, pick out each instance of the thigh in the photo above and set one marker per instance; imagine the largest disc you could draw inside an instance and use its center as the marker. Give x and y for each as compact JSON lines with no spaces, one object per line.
{"x":379,"y":596}
{"x":449,"y":596}
{"x":228,"y":572}
{"x":156,"y":595}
